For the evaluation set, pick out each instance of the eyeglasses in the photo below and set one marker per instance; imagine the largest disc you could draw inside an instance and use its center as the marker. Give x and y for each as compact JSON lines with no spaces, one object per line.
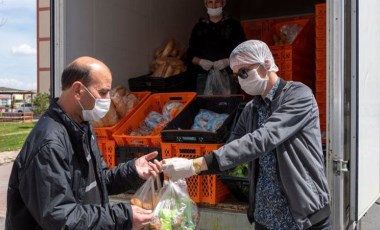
{"x":243,"y":72}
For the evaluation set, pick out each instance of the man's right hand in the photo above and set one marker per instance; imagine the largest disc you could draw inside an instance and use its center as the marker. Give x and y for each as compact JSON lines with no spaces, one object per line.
{"x":206,"y":64}
{"x":141,"y":217}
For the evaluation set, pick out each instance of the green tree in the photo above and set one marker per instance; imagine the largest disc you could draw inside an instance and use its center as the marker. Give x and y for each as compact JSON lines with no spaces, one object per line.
{"x":40,"y":103}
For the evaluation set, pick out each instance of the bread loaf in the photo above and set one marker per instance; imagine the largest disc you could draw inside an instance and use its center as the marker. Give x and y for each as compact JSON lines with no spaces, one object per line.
{"x":168,"y":48}
{"x":110,"y":119}
{"x":121,"y":104}
{"x":168,"y":60}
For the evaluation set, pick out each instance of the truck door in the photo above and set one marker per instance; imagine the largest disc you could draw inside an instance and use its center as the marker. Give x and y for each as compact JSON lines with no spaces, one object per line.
{"x":365,"y":109}
{"x":354,"y":109}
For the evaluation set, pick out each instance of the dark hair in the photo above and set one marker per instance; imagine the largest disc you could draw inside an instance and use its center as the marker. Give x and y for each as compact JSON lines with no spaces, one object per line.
{"x":73,"y":73}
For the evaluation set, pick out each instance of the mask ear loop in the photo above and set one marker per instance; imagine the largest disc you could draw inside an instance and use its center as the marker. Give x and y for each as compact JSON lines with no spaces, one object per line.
{"x":89,"y":92}
{"x":267,"y":64}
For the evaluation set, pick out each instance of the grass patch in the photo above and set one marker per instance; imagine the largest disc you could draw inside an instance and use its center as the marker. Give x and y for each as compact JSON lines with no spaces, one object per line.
{"x":13,"y":135}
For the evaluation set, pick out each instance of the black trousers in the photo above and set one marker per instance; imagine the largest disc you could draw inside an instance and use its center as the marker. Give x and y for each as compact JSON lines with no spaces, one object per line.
{"x":323,"y":225}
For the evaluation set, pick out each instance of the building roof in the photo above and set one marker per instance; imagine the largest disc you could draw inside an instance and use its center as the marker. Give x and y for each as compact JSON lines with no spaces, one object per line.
{"x":6,"y":90}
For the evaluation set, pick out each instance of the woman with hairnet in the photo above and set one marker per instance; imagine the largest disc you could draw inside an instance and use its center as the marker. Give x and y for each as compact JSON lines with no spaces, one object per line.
{"x":278,"y":133}
{"x":211,"y":42}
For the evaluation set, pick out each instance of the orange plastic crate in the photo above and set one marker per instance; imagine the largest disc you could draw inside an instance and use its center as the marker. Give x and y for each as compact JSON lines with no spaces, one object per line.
{"x":320,"y":85}
{"x":320,"y":26}
{"x":202,"y":189}
{"x":320,"y":9}
{"x":322,"y":106}
{"x":106,"y":132}
{"x":296,"y":61}
{"x":320,"y":54}
{"x":253,"y":29}
{"x":320,"y":43}
{"x":107,"y":147}
{"x":320,"y":97}
{"x":257,"y":28}
{"x":320,"y":67}
{"x":322,"y":122}
{"x":155,"y":102}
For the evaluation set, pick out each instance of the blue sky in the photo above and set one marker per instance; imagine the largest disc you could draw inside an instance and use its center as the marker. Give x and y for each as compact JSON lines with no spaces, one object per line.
{"x":18,"y":58}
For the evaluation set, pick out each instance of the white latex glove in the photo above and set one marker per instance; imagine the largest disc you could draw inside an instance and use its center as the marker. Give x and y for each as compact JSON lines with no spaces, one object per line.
{"x":206,"y":64}
{"x":178,"y":168}
{"x":221,"y":64}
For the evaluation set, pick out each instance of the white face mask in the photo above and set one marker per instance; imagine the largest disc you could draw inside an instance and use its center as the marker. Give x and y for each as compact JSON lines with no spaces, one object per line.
{"x":215,"y":12}
{"x":253,"y":84}
{"x":100,"y":109}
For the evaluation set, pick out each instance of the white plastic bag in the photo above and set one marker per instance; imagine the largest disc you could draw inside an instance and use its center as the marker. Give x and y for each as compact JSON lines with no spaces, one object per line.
{"x":175,"y":210}
{"x":218,"y":82}
{"x":147,"y":196}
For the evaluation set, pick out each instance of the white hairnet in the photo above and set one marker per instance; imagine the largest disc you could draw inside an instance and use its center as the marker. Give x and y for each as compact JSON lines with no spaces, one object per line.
{"x":252,"y":52}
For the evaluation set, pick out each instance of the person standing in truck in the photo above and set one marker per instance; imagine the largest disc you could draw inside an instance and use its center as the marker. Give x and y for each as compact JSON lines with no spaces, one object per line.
{"x":59,"y":179}
{"x":211,"y":42}
{"x":278,"y":134}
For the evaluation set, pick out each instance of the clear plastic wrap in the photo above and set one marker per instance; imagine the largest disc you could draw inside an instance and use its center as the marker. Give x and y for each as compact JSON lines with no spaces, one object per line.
{"x":218,"y":82}
{"x":171,"y":109}
{"x":290,"y":31}
{"x":147,"y":196}
{"x":175,"y":210}
{"x":155,"y":121}
{"x":208,"y":120}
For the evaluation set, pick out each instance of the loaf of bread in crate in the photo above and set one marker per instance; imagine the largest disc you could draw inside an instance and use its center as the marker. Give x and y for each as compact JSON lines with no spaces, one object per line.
{"x":121,"y":104}
{"x":168,"y":60}
{"x":123,"y":101}
{"x":110,"y":119}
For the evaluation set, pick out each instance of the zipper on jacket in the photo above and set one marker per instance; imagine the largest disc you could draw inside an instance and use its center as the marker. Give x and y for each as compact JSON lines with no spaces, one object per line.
{"x":94,"y":166}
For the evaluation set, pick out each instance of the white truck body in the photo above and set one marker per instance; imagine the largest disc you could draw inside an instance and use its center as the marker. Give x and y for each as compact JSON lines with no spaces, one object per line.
{"x":124,"y":35}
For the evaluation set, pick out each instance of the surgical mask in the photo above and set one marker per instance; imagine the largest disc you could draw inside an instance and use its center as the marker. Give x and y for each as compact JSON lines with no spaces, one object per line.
{"x":100,"y":109}
{"x":214,"y":12}
{"x":253,"y":84}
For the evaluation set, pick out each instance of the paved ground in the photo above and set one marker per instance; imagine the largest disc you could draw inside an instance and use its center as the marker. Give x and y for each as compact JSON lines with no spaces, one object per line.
{"x":370,"y":221}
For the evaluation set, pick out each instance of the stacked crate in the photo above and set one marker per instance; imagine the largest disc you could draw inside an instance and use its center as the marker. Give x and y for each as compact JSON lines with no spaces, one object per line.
{"x":258,"y":28}
{"x":180,"y":140}
{"x":154,"y":103}
{"x":202,"y":189}
{"x":106,"y":142}
{"x":295,"y":60}
{"x":320,"y":63}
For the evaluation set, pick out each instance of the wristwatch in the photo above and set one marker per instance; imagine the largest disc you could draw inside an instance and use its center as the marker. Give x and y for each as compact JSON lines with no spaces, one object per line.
{"x":197,"y":167}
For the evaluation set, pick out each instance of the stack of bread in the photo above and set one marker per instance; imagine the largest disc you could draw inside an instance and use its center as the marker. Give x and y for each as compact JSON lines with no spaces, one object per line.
{"x":168,"y":60}
{"x":121,"y":104}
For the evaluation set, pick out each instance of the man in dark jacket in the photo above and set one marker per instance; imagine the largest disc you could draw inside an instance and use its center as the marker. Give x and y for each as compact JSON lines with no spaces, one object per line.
{"x":278,"y":133}
{"x":59,"y":180}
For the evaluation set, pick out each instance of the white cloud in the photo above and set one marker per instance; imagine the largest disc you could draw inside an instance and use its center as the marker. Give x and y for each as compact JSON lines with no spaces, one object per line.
{"x":23,"y":49}
{"x":17,"y":84}
{"x":30,"y":4}
{"x":18,"y":57}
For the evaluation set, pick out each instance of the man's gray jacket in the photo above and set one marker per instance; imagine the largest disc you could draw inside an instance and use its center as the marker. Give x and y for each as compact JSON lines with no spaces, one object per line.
{"x":293,"y":131}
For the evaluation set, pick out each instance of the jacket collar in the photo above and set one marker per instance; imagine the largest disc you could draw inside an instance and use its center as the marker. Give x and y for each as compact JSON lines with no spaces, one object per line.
{"x":75,"y":130}
{"x":273,"y":93}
